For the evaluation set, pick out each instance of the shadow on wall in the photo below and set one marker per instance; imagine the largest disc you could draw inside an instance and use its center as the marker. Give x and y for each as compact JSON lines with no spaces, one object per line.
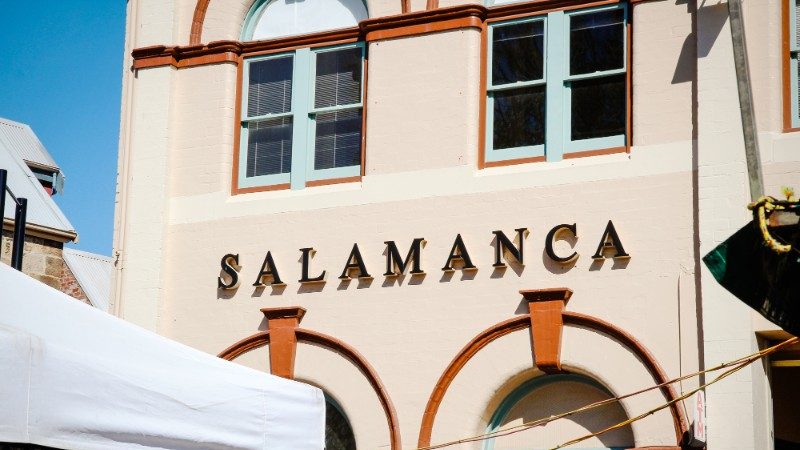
{"x":713,"y":21}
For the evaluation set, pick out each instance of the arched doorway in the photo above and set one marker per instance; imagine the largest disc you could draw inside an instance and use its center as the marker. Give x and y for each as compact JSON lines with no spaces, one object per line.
{"x":587,"y":342}
{"x":282,"y":338}
{"x":548,"y":395}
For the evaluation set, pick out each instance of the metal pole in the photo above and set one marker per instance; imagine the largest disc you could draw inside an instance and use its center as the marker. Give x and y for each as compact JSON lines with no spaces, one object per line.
{"x":19,"y":233}
{"x":3,"y":183}
{"x":746,"y":100}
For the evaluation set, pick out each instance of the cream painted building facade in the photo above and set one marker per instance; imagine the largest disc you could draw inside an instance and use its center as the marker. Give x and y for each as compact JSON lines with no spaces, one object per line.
{"x":253,"y":130}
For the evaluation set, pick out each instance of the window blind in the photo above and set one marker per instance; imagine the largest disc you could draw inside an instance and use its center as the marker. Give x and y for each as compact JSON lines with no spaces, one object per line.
{"x":338,"y":78}
{"x":797,"y":22}
{"x":270,"y":87}
{"x":269,"y":147}
{"x":338,"y":139}
{"x":337,"y":84}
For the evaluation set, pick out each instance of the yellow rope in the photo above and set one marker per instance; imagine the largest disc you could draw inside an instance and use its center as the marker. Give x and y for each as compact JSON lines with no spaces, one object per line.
{"x":737,"y":364}
{"x":656,"y":409}
{"x":761,"y":207}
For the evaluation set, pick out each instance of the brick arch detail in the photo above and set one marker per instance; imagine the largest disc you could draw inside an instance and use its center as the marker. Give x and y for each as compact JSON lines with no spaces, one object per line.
{"x":197,"y":21}
{"x":524,"y":321}
{"x":201,"y":7}
{"x":262,"y":339}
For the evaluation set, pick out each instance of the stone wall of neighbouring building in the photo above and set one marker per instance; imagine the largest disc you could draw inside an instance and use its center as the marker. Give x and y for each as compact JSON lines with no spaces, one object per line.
{"x":43,"y":260}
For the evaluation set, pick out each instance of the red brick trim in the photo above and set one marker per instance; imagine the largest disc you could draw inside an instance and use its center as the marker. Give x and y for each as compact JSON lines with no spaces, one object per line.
{"x":201,"y":7}
{"x":282,"y":323}
{"x":312,"y":337}
{"x":431,"y":20}
{"x":523,"y":321}
{"x":545,"y":307}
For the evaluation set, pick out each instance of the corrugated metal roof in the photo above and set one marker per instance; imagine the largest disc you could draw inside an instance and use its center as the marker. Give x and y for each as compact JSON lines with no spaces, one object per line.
{"x":20,"y":138}
{"x":93,"y":273}
{"x":42,"y":210}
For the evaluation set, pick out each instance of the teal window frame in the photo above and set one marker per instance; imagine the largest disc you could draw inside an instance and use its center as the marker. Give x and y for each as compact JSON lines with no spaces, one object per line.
{"x":491,"y":88}
{"x":303,"y":115}
{"x":250,"y":21}
{"x":558,"y":92}
{"x":337,"y":172}
{"x":526,"y":388}
{"x":794,"y":59}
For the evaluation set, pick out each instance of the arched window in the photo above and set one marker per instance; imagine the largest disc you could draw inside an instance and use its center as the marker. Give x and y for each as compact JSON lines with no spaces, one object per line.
{"x":269,"y":19}
{"x":338,"y":432}
{"x":301,"y":113}
{"x":549,"y":395}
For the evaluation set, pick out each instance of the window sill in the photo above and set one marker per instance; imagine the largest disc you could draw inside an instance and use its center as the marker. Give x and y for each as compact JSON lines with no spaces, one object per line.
{"x":511,"y":162}
{"x":248,"y":190}
{"x":573,"y":155}
{"x":287,"y":186}
{"x":328,"y":181}
{"x":602,"y":151}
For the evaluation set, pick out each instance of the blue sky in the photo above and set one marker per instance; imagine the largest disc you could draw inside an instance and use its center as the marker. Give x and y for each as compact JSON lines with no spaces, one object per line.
{"x":61,"y":73}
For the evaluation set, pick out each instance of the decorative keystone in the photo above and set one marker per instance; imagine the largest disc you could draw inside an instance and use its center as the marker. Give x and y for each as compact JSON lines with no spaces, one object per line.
{"x":282,"y":323}
{"x":545,"y":307}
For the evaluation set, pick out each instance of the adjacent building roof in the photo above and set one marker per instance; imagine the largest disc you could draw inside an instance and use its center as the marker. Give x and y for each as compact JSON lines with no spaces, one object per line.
{"x":21,"y":139}
{"x":93,"y":273}
{"x":18,"y":142}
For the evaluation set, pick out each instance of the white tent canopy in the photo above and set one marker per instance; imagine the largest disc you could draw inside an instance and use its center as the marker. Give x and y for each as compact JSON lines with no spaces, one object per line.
{"x":74,"y":377}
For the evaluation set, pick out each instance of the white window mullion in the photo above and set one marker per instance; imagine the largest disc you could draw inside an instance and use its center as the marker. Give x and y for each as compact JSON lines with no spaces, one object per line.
{"x":556,"y":130}
{"x":301,"y":102}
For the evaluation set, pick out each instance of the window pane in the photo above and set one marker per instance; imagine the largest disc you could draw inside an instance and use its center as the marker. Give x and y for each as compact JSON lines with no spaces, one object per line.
{"x":338,"y":141}
{"x":597,"y":41}
{"x":338,"y":432}
{"x":269,"y":147}
{"x":270,"y":88}
{"x":517,"y":52}
{"x":797,"y":22}
{"x":598,"y":107}
{"x":338,"y":80}
{"x":519,"y":117}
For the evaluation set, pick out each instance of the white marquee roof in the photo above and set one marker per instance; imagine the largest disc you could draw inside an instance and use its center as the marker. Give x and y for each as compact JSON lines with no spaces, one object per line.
{"x":76,"y":377}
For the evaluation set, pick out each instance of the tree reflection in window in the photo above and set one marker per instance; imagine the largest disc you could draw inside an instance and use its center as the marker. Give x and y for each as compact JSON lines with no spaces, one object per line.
{"x":338,"y":432}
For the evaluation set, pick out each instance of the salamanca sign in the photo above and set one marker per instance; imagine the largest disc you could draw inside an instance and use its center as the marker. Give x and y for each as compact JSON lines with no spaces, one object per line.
{"x":397,"y":265}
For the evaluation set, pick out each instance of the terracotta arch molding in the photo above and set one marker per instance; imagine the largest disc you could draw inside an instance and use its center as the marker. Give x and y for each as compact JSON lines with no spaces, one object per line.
{"x":201,"y":7}
{"x":312,"y":337}
{"x":524,"y":321}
